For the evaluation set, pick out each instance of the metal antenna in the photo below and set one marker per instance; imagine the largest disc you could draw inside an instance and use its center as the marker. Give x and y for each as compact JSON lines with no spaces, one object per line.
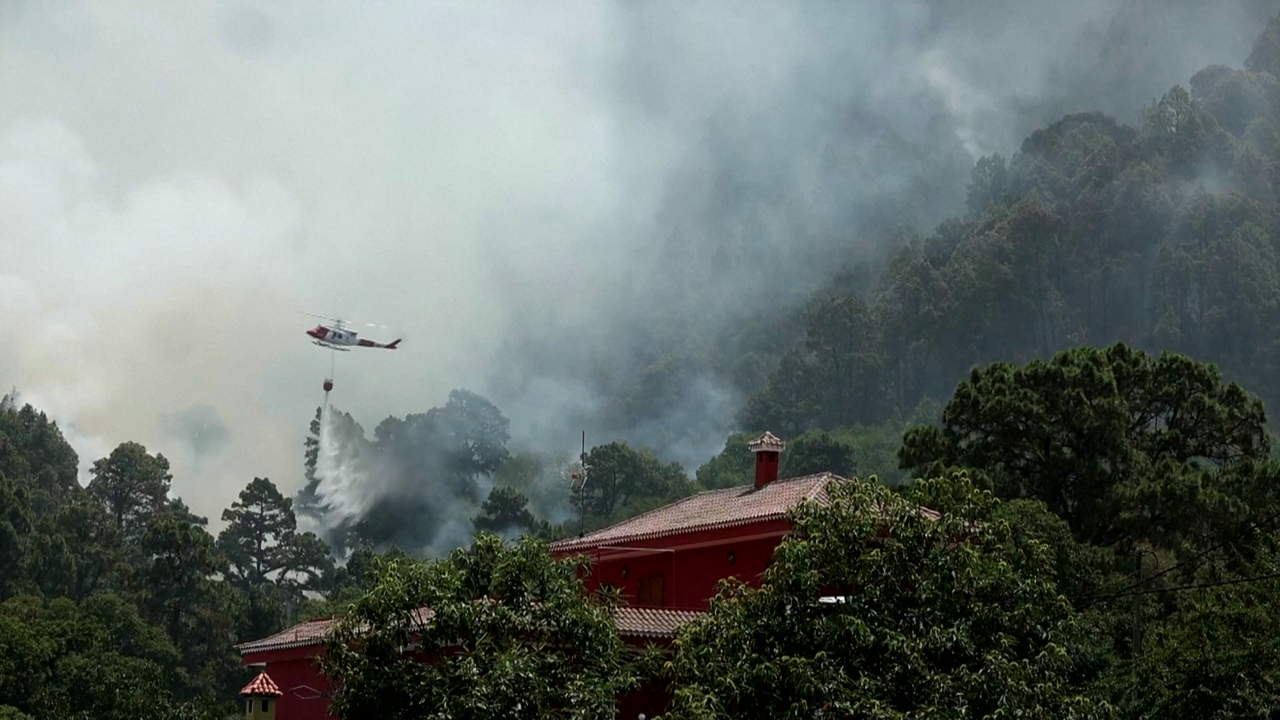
{"x":582,"y":487}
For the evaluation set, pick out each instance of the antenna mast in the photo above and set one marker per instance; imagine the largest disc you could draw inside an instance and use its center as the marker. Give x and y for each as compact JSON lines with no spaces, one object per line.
{"x":582,"y":487}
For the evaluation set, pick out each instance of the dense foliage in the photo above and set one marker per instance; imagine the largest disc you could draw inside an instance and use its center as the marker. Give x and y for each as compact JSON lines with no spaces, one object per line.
{"x":874,"y":609}
{"x":521,"y":639}
{"x":109,"y":596}
{"x":1104,"y":437}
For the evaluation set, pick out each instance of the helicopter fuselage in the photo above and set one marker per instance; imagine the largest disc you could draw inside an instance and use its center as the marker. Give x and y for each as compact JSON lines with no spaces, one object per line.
{"x":340,"y":338}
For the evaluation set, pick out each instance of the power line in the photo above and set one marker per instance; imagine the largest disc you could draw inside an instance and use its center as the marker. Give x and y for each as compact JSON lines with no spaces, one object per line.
{"x":1235,"y":536}
{"x":1123,"y":592}
{"x":1197,"y":586}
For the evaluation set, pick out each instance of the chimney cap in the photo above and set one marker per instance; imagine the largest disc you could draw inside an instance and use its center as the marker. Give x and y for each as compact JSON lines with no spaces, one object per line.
{"x":768,"y":442}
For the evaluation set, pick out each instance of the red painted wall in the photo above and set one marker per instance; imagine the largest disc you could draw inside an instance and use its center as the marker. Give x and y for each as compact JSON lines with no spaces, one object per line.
{"x":289,"y":669}
{"x":693,"y":568}
{"x":650,"y":699}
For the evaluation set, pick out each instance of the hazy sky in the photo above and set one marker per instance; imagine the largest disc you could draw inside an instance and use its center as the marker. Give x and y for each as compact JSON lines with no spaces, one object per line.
{"x":178,"y":179}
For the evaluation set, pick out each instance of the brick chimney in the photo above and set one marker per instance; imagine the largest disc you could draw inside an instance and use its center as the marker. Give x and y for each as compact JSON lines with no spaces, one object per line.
{"x":767,"y":448}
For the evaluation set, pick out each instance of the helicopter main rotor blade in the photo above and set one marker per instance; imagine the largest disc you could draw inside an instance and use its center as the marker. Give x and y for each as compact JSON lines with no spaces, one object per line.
{"x":339,"y":321}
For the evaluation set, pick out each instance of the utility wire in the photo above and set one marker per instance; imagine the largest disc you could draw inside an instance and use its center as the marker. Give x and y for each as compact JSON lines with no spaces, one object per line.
{"x":1124,"y":592}
{"x":1197,"y":586}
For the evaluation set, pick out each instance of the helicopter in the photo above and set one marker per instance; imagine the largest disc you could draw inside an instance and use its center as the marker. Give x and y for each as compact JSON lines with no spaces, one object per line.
{"x":338,"y":335}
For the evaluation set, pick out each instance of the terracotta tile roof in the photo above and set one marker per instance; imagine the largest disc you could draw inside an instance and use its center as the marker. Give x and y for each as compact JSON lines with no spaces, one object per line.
{"x":311,"y":632}
{"x":633,"y":622}
{"x":709,"y":510}
{"x":649,"y":622}
{"x":261,"y":686}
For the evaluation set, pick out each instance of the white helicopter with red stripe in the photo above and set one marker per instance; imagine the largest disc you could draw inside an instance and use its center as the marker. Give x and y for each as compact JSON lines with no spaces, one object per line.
{"x":339,"y":335}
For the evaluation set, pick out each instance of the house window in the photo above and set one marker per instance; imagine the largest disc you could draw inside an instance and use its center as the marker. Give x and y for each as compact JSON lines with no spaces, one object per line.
{"x":650,"y":590}
{"x":264,"y":705}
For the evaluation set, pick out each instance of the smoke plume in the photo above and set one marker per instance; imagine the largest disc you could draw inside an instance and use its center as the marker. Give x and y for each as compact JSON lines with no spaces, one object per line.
{"x":575,"y":210}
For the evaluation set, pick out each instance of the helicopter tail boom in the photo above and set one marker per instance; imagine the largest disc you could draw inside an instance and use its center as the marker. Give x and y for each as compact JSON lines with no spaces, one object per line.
{"x":372,"y":344}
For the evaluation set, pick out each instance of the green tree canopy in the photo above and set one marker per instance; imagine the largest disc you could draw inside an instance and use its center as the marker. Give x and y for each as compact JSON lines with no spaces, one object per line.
{"x":261,"y":540}
{"x":132,"y":485}
{"x":1214,"y":658}
{"x":732,"y":467}
{"x":256,"y":524}
{"x":98,"y":659}
{"x":1089,"y":431}
{"x":922,"y":617}
{"x":818,"y":451}
{"x":619,"y":477}
{"x":522,"y":639}
{"x":504,"y":512}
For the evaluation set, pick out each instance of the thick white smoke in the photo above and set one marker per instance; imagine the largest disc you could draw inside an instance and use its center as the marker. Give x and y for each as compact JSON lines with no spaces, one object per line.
{"x":519,"y":188}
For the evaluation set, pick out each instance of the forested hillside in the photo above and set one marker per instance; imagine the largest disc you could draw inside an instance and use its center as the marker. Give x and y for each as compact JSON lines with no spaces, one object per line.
{"x":1018,"y":347}
{"x":1161,"y":235}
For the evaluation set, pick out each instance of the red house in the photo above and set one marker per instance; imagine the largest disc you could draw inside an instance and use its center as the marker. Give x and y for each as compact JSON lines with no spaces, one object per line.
{"x":673,"y":557}
{"x":666,"y":563}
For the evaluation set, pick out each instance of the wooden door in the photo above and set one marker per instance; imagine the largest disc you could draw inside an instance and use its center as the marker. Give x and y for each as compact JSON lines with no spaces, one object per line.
{"x":650,"y":591}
